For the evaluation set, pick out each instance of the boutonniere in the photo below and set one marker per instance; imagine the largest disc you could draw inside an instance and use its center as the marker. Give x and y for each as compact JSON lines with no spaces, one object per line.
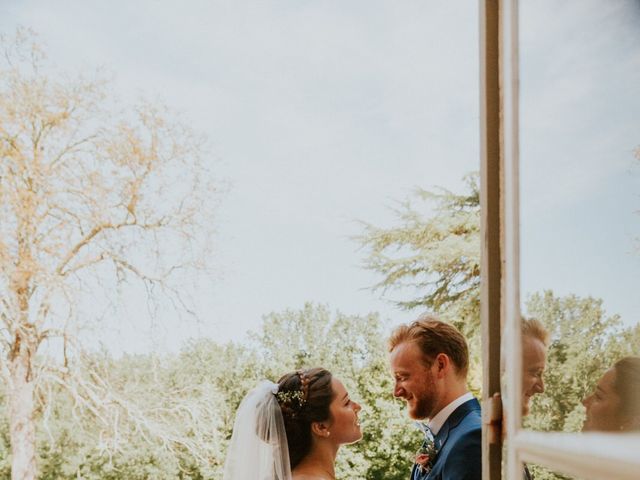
{"x":426,"y":456}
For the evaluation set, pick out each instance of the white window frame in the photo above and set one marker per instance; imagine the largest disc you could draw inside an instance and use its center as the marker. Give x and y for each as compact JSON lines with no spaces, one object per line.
{"x":596,"y":456}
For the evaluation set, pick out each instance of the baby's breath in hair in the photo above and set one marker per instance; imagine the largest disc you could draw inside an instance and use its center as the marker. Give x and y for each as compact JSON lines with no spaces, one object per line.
{"x":291,"y":399}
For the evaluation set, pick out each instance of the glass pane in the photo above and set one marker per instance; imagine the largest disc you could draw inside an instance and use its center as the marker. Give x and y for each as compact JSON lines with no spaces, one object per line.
{"x":580,"y":228}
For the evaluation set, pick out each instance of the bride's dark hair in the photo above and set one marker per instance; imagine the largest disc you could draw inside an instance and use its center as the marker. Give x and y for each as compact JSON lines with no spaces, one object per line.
{"x":304,"y":397}
{"x":627,"y":386}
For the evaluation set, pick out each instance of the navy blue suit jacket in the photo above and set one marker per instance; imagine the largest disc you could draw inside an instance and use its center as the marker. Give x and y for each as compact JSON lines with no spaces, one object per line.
{"x":458,"y":444}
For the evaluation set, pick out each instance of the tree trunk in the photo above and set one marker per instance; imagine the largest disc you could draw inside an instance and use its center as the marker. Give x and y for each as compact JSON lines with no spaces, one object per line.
{"x":21,"y":417}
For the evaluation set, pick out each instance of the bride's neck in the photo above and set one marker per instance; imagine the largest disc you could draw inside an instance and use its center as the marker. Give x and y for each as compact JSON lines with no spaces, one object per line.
{"x":319,"y":461}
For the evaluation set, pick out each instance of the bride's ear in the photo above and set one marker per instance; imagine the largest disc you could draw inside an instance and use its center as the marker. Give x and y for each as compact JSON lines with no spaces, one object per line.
{"x":320,"y":429}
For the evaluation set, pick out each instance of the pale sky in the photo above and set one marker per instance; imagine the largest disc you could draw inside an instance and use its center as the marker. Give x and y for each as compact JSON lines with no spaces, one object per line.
{"x":322,"y":113}
{"x":579,"y":118}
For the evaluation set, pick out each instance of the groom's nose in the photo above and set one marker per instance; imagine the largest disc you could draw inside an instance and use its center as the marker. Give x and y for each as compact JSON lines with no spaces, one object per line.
{"x":398,"y":390}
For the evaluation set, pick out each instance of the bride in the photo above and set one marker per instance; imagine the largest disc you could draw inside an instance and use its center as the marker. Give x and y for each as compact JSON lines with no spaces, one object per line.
{"x":292,"y":430}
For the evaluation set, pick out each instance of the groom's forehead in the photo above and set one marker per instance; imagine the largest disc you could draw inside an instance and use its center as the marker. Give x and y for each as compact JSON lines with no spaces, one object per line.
{"x":406,"y":353}
{"x":410,"y":361}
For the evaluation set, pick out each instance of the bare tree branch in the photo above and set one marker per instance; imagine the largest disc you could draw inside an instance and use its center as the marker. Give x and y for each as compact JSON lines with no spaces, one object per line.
{"x":82,"y":186}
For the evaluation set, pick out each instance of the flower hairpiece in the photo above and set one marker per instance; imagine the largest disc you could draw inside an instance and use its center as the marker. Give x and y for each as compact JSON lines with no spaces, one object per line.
{"x":288,"y":398}
{"x":292,"y":401}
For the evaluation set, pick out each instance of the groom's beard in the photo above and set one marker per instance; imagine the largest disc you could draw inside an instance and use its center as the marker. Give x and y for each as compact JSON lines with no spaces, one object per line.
{"x":425,"y":401}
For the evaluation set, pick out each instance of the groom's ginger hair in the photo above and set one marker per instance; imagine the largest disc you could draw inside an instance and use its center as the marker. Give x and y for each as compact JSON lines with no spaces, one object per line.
{"x":434,"y":336}
{"x":533,"y":328}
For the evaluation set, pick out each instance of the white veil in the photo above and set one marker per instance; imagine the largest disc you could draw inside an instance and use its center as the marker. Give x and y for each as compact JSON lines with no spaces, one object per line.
{"x":258,"y":448}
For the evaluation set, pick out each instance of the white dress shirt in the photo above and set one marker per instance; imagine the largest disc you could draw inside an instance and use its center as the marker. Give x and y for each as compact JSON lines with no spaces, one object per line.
{"x":435,"y":424}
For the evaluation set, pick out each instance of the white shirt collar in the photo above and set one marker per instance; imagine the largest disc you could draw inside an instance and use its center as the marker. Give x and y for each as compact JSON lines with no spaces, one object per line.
{"x":435,"y":424}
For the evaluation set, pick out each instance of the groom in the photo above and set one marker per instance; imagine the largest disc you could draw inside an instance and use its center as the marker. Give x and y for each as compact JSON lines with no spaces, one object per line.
{"x":429,"y":361}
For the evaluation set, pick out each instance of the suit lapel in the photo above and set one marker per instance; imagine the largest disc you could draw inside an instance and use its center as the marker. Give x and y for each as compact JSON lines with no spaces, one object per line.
{"x":454,"y":419}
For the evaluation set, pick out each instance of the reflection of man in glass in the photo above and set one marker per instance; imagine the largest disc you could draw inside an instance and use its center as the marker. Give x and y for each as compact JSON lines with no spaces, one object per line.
{"x":534,"y":358}
{"x":614,"y":405}
{"x":535,"y":339}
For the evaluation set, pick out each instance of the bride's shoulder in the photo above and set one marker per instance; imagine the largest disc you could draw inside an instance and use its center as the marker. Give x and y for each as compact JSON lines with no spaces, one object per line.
{"x":306,"y":476}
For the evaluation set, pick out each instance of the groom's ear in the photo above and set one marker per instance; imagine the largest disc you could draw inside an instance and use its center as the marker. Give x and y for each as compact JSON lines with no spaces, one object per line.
{"x":321,"y":429}
{"x":442,"y":362}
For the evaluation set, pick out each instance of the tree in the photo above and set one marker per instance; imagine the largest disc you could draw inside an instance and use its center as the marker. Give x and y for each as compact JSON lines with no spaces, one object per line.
{"x":86,"y":193}
{"x":175,"y":415}
{"x":434,"y":257}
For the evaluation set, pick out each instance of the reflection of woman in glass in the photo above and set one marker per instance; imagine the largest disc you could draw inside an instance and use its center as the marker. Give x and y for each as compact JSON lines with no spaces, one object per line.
{"x":615,"y":404}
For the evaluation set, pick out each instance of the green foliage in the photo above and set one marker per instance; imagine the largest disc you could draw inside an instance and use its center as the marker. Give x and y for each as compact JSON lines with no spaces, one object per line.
{"x":585,"y":343}
{"x":542,"y":473}
{"x":161,"y":410}
{"x":72,"y":440}
{"x":5,"y":444}
{"x":230,"y":370}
